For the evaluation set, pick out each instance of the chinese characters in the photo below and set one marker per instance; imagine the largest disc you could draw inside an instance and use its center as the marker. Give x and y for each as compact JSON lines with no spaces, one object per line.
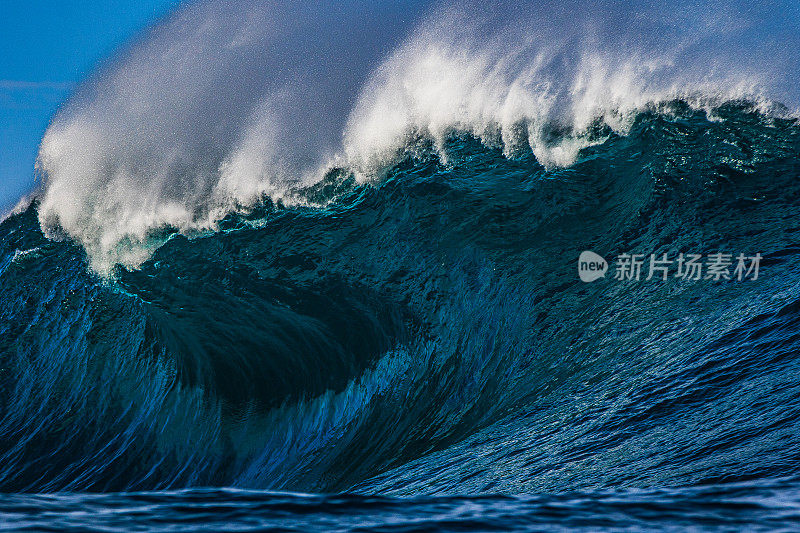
{"x":692,"y":267}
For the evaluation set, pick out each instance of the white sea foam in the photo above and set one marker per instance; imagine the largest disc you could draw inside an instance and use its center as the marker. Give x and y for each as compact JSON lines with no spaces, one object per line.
{"x":529,"y":76}
{"x":227,"y":101}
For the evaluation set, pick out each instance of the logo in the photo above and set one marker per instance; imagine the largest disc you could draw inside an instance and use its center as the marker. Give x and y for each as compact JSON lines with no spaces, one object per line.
{"x":691,"y":267}
{"x":591,"y":267}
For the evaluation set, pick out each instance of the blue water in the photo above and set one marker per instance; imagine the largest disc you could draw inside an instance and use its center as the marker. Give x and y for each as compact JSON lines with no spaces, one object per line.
{"x":417,"y":353}
{"x":743,"y":507}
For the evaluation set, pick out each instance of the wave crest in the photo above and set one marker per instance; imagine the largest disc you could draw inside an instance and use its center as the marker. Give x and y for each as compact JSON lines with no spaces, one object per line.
{"x":225,"y":103}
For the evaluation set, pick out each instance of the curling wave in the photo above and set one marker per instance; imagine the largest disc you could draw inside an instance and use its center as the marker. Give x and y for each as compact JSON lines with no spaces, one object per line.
{"x":427,"y":333}
{"x":333,"y":249}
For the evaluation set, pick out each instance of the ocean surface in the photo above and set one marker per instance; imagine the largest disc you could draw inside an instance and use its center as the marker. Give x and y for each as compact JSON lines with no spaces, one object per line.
{"x":263,"y":284}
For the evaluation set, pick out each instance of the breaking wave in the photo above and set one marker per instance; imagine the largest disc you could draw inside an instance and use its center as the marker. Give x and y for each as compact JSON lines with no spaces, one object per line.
{"x":225,"y":103}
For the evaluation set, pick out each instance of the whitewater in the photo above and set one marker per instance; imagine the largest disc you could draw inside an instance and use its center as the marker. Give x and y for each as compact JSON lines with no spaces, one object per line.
{"x":224,"y":103}
{"x":315,"y":267}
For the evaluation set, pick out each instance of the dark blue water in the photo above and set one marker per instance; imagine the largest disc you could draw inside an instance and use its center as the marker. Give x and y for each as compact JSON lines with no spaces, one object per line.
{"x":418,"y":353}
{"x":746,"y":507}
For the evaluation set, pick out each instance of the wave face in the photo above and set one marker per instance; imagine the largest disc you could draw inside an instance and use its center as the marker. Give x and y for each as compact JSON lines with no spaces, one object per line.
{"x":427,"y":333}
{"x":352,"y":268}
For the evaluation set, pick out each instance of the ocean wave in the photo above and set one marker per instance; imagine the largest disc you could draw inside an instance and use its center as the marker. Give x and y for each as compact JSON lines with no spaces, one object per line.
{"x":426,"y":332}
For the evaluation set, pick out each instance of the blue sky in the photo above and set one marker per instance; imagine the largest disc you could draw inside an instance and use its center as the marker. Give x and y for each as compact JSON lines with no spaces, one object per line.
{"x":47,"y":47}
